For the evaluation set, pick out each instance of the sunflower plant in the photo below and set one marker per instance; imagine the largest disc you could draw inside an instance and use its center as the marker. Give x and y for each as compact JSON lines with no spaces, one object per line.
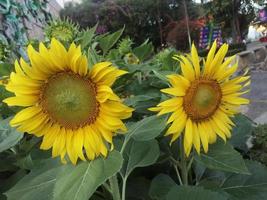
{"x":79,"y":122}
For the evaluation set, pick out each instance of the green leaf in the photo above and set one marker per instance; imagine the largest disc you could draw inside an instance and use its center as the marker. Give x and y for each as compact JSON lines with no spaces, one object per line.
{"x":5,"y":69}
{"x":87,"y":36}
{"x":141,"y":103}
{"x":162,"y":75}
{"x":193,"y":193}
{"x":92,"y":57}
{"x":160,"y":187}
{"x":38,"y":184}
{"x":139,"y":154}
{"x":241,"y":132}
{"x":110,"y":40}
{"x":80,"y":182}
{"x":144,"y":50}
{"x":248,"y":187}
{"x":147,"y":129}
{"x":9,"y":137}
{"x":53,"y":181}
{"x":223,"y":157}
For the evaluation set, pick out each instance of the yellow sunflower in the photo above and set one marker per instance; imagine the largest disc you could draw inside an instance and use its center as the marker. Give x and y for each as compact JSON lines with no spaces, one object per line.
{"x":72,"y":107}
{"x":205,"y":99}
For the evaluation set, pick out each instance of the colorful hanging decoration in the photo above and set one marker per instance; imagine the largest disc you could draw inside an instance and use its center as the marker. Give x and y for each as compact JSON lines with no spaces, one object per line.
{"x":209,"y":33}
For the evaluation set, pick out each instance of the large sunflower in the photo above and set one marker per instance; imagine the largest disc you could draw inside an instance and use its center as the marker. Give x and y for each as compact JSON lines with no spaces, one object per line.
{"x":72,"y":107}
{"x":205,"y":99}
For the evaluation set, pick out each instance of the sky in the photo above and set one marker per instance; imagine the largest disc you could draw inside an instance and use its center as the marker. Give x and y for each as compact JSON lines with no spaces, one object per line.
{"x":61,"y":2}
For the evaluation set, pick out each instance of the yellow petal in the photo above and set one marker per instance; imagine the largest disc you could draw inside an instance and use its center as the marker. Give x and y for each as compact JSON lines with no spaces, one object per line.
{"x":82,"y":66}
{"x":195,"y":60}
{"x":212,"y":137}
{"x":98,"y":67}
{"x":18,"y":68}
{"x":49,"y":137}
{"x":21,"y":100}
{"x":69,"y":147}
{"x":188,"y":137}
{"x":187,"y":69}
{"x":203,"y":137}
{"x":174,"y":91}
{"x":178,"y":124}
{"x":217,"y":130}
{"x":228,"y":72}
{"x":235,"y":100}
{"x":78,"y":141}
{"x":216,"y":62}
{"x":210,"y":57}
{"x":175,"y":115}
{"x":196,"y":138}
{"x":177,"y":101}
{"x":178,"y":81}
{"x":25,"y":114}
{"x":59,"y":143}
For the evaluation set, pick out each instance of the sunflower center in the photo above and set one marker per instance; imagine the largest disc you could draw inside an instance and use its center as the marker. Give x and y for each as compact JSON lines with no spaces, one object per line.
{"x":70,"y":100}
{"x":202,"y":99}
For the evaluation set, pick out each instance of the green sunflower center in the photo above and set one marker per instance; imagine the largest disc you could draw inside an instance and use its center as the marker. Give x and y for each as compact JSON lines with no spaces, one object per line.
{"x":62,"y":33}
{"x":70,"y":100}
{"x":202,"y":99}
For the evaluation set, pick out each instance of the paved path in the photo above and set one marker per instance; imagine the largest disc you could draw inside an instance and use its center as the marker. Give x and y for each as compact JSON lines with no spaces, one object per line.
{"x":257,"y":109}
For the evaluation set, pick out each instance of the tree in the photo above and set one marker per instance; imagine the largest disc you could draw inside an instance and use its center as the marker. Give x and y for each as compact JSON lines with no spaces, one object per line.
{"x":142,"y":19}
{"x":229,"y":13}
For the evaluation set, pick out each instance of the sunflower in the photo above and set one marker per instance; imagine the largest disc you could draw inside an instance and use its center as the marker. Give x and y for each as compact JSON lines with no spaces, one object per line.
{"x":72,"y":107}
{"x":63,"y":30}
{"x":205,"y":99}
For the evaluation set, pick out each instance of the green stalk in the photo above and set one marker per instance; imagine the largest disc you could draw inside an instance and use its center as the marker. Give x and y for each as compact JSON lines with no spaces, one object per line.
{"x":123,"y":188}
{"x":114,"y":186}
{"x":183,"y":163}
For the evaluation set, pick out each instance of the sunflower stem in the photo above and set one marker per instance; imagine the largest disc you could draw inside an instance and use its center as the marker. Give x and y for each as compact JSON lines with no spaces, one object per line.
{"x":183,"y":163}
{"x":124,"y":180}
{"x":114,"y":186}
{"x":178,"y":174}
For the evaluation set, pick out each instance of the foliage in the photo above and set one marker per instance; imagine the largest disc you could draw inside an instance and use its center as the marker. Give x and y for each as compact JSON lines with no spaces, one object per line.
{"x":234,"y":16}
{"x":142,"y":19}
{"x":259,"y":142}
{"x":142,"y":165}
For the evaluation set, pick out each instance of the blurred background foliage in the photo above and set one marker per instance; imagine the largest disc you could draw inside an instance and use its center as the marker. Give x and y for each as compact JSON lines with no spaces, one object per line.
{"x":164,"y":21}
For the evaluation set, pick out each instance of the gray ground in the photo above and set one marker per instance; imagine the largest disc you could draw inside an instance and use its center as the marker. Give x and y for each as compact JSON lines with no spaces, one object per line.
{"x":257,"y":109}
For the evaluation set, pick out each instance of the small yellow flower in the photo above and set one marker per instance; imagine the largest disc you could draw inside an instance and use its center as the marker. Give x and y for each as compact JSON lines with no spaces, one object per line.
{"x":72,"y":107}
{"x":204,"y":99}
{"x":130,"y":58}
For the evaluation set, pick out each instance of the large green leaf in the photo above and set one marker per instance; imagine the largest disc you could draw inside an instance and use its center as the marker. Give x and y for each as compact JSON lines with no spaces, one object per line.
{"x":241,"y":132}
{"x":248,"y":187}
{"x":141,"y":103}
{"x":139,"y":154}
{"x":54,"y":181}
{"x":9,"y":137}
{"x":160,"y":187}
{"x":147,"y":129}
{"x":38,"y":184}
{"x":223,"y":157}
{"x":193,"y":193}
{"x":87,"y":36}
{"x":80,"y":182}
{"x":144,"y":50}
{"x":110,"y":40}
